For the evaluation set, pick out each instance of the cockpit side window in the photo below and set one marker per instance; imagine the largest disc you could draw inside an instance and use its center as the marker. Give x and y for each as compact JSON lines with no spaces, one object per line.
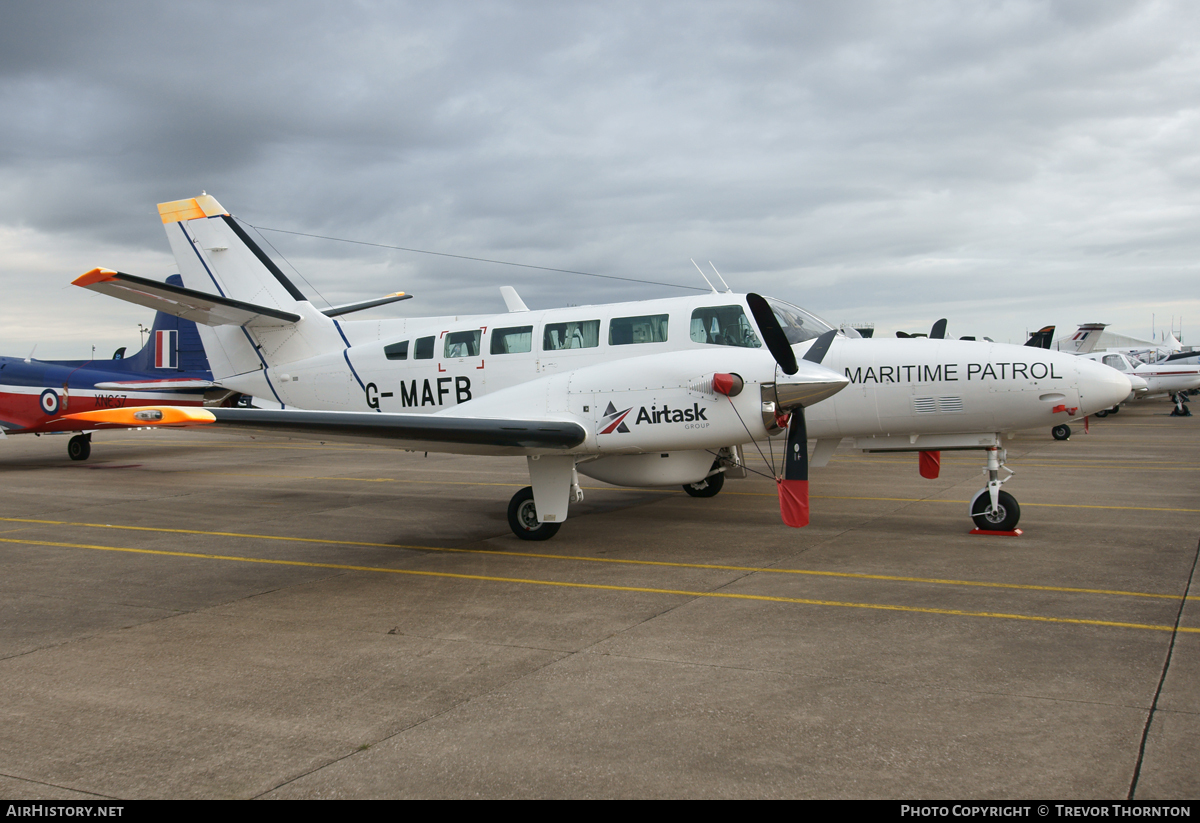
{"x":723,"y":326}
{"x":396,"y":351}
{"x":424,"y":349}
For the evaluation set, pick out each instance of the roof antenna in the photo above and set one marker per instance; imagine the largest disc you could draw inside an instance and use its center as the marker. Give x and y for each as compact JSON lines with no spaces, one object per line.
{"x":722,"y":279}
{"x":706,"y":280}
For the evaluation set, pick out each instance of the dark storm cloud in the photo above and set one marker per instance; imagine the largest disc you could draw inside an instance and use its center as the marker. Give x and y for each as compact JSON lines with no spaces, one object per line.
{"x":870,"y":160}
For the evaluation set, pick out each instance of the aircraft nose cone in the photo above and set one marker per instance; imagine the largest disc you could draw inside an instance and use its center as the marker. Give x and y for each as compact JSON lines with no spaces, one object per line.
{"x":1100,"y":386}
{"x":811,"y":384}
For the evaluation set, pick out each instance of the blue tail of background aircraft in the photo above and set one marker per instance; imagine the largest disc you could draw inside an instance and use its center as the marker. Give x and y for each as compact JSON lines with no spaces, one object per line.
{"x":173,"y":346}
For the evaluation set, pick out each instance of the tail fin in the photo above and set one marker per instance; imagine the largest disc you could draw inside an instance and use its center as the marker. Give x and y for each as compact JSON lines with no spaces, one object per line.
{"x":1085,"y":338}
{"x":173,"y":346}
{"x":216,"y":256}
{"x":1042,"y":338}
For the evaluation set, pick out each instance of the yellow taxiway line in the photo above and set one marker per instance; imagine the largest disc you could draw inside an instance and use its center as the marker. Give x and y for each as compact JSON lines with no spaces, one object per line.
{"x":618,"y":561}
{"x":612,"y":588}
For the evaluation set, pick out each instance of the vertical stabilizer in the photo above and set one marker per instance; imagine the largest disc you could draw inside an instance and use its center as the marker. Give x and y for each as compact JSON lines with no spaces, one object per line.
{"x":1084,"y":339}
{"x":174,"y":346}
{"x":216,"y":256}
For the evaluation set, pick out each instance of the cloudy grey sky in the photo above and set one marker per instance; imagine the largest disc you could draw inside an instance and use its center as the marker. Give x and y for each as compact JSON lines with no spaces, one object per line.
{"x":1002,"y":164}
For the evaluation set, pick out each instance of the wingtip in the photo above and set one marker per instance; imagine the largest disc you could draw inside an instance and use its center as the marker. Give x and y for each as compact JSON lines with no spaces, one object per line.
{"x":94,"y":276}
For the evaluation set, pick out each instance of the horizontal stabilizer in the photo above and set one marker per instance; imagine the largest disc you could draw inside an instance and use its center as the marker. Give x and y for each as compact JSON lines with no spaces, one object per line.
{"x":156,"y":385}
{"x":432,"y":432}
{"x":347,"y":308}
{"x":206,"y":309}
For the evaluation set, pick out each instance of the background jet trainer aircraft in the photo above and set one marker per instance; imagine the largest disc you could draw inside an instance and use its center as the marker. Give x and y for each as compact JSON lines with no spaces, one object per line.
{"x":650,"y":393}
{"x":36,"y":395}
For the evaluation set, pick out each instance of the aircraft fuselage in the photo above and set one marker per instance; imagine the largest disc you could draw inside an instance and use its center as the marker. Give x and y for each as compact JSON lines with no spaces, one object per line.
{"x":896,"y":387}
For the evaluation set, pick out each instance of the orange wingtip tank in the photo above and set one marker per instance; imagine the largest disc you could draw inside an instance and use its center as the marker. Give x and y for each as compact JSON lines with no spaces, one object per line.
{"x":145,"y":416}
{"x":94,"y":276}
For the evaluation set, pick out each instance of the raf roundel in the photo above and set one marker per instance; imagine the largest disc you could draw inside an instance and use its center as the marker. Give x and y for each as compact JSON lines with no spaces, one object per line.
{"x":49,"y":401}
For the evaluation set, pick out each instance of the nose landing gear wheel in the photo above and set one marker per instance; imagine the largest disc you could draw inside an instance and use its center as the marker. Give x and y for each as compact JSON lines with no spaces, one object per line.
{"x":1061,"y":432}
{"x":79,"y":447}
{"x":522,"y":518}
{"x":708,"y":487}
{"x":1004,"y":519}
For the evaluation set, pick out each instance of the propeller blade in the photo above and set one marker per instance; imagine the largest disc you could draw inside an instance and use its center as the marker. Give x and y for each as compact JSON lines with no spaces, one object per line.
{"x":938,"y":332}
{"x":772,"y":332}
{"x":793,"y":486}
{"x":820,"y":347}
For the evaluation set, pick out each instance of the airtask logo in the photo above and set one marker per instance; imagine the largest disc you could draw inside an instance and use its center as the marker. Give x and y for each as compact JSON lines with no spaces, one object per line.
{"x":614,"y":421}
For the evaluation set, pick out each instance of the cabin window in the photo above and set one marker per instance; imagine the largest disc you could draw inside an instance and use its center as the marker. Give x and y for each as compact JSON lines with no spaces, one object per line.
{"x":462,"y":344}
{"x":651,"y":328}
{"x":724,"y":326}
{"x":396,"y":351}
{"x":513,"y":340}
{"x":424,"y":349}
{"x":583,"y":334}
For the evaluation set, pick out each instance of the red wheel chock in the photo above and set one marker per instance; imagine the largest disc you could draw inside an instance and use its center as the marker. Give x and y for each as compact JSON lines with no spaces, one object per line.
{"x":1013,"y":533}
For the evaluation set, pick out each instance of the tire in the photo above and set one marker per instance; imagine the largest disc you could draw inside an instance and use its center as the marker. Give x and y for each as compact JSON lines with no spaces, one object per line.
{"x":79,"y":447}
{"x":522,"y":518}
{"x":1102,"y":413}
{"x":708,"y":487}
{"x":1061,"y":432}
{"x":1114,"y":410}
{"x":1005,"y":519}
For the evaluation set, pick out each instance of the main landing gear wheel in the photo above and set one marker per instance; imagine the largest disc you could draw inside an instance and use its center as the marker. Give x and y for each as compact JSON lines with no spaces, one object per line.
{"x":708,"y":487}
{"x":1061,"y":432}
{"x":522,"y":518}
{"x":1114,"y":410}
{"x":1003,"y":519}
{"x":1103,"y":413}
{"x":79,"y":447}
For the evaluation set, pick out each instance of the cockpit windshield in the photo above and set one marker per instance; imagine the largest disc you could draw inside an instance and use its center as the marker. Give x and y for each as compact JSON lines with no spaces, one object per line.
{"x":798,"y":325}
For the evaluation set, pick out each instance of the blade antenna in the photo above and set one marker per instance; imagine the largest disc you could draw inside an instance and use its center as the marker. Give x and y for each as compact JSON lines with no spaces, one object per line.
{"x":722,"y":279}
{"x":706,"y":280}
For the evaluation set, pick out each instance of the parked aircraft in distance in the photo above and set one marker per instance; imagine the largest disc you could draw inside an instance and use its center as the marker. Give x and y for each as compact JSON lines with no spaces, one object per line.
{"x":647,"y":393}
{"x":1161,"y":379}
{"x":1089,"y":336}
{"x":37,"y":395}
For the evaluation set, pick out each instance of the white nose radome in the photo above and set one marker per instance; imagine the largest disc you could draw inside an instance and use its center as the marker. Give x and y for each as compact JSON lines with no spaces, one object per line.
{"x":1100,"y":386}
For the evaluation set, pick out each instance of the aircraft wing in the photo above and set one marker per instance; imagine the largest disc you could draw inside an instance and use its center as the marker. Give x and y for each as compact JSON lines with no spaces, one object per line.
{"x":417,"y":432}
{"x":206,"y":309}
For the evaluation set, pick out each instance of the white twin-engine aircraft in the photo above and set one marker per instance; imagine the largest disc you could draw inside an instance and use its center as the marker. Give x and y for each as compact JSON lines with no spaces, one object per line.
{"x":648,"y":393}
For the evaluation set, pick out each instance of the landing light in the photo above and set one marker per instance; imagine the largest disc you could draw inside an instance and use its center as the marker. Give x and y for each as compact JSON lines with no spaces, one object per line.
{"x":149,"y":415}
